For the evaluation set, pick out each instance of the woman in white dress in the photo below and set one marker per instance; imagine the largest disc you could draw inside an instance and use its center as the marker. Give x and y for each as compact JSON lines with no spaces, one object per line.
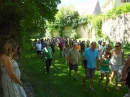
{"x":117,"y":58}
{"x":11,"y":83}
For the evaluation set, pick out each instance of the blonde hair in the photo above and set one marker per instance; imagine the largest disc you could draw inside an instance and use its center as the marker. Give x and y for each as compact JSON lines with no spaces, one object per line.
{"x":9,"y":47}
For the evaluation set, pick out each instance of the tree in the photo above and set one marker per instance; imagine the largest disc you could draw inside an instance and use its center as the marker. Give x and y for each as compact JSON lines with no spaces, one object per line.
{"x":19,"y":19}
{"x":66,"y":16}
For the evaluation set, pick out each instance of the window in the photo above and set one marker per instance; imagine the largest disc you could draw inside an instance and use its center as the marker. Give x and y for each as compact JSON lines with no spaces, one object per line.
{"x":126,"y":0}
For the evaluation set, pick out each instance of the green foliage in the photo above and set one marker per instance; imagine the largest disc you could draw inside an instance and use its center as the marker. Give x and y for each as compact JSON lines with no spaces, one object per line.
{"x":110,"y":14}
{"x":89,"y":18}
{"x":20,"y":19}
{"x":66,"y":16}
{"x":36,"y":12}
{"x":97,"y":25}
{"x":122,"y":9}
{"x":82,"y":20}
{"x":127,"y":45}
{"x":10,"y":16}
{"x":97,"y":20}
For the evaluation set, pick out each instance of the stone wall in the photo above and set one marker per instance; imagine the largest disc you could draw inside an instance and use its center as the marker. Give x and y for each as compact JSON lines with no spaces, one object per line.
{"x":118,"y":29}
{"x":83,"y":30}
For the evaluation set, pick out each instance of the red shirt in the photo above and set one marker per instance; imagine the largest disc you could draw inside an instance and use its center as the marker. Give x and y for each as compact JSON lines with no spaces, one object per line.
{"x":61,"y":45}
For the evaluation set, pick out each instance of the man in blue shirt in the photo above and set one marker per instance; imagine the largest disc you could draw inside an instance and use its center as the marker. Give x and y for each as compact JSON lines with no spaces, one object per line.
{"x":91,"y":57}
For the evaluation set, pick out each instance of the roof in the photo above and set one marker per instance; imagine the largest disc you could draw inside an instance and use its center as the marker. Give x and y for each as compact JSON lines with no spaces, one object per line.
{"x":88,"y":7}
{"x":105,"y":4}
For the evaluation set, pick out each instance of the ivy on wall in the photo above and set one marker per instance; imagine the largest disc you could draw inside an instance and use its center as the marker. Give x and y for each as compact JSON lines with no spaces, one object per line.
{"x":69,"y":17}
{"x":66,"y":16}
{"x":113,"y":13}
{"x":97,"y":20}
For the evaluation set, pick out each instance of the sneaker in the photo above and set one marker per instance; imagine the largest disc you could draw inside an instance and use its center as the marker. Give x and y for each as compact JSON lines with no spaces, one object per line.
{"x":127,"y":95}
{"x":92,"y":88}
{"x":84,"y":83}
{"x":76,"y":79}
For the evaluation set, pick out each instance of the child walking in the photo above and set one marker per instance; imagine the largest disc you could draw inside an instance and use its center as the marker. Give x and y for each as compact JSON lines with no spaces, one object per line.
{"x":104,"y":68}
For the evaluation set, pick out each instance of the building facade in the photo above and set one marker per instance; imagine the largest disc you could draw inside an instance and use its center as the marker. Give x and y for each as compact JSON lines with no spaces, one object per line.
{"x":88,"y":7}
{"x":109,"y":4}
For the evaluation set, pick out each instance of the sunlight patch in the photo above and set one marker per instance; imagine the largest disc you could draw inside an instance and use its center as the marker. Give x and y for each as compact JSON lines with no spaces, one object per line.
{"x":62,"y":74}
{"x":56,"y":60}
{"x":58,"y":64}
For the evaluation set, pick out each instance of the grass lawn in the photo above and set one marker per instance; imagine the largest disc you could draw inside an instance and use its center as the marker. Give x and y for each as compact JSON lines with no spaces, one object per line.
{"x":58,"y":83}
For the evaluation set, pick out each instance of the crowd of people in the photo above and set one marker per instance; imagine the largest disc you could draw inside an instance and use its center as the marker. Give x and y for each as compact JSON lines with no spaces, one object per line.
{"x":103,"y":57}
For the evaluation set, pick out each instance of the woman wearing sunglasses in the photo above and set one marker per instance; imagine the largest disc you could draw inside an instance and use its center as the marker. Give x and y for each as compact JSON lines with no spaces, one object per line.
{"x":117,"y":57}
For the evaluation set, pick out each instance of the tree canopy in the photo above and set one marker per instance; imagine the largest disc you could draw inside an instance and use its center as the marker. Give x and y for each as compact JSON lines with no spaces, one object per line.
{"x":21,"y":18}
{"x":66,"y":16}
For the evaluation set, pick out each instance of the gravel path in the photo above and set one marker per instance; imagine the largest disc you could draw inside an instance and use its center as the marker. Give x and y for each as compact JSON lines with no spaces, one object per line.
{"x":29,"y":89}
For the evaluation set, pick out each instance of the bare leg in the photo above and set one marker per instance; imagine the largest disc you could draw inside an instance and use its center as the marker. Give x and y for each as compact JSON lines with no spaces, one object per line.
{"x":117,"y":88}
{"x":112,"y":77}
{"x":101,"y":78}
{"x":107,"y":80}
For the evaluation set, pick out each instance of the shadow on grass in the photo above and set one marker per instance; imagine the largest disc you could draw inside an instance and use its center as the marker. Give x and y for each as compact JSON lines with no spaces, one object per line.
{"x":58,"y":83}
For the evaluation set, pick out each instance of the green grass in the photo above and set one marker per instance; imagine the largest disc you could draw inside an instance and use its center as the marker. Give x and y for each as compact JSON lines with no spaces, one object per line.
{"x":58,"y":83}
